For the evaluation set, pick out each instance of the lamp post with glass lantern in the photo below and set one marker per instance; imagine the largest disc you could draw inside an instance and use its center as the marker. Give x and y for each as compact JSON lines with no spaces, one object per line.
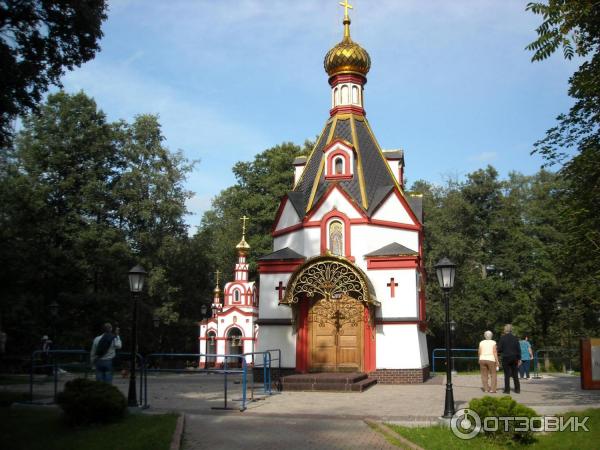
{"x":137,"y":276}
{"x":445,"y":270}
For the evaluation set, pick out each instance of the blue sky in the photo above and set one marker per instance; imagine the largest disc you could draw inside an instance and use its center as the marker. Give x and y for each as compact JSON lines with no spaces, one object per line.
{"x":450,"y":81}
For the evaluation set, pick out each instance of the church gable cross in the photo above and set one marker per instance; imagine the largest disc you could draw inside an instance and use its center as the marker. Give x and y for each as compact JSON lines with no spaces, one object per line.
{"x":280,"y":289}
{"x":392,"y":287}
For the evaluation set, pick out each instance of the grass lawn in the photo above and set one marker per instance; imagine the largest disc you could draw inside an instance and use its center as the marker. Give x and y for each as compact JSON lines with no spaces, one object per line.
{"x":33,"y":429}
{"x":6,"y":380}
{"x":8,"y":397}
{"x":438,"y":437}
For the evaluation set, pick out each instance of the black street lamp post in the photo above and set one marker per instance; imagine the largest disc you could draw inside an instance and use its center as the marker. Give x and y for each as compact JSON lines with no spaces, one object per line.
{"x":446,"y":270}
{"x":53,"y":307}
{"x":136,"y":283}
{"x":452,"y":338}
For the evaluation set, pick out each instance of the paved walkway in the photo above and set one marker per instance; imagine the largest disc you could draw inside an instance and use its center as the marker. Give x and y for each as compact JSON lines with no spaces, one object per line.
{"x":327,"y":420}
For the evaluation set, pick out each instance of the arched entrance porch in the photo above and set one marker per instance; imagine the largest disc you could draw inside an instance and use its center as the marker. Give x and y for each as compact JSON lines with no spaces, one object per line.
{"x":333,"y":306}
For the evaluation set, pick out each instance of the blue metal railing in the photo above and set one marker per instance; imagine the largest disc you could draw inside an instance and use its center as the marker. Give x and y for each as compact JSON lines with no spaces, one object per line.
{"x":50,"y":361}
{"x":452,"y":350}
{"x":278,"y":359}
{"x":536,"y":362}
{"x":225,"y":371}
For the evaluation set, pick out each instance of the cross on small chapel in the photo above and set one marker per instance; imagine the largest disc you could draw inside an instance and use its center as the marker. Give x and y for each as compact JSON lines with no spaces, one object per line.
{"x":392,"y":287}
{"x":243,"y":219}
{"x":280,"y":288}
{"x":217,"y":273}
{"x":346,"y":6}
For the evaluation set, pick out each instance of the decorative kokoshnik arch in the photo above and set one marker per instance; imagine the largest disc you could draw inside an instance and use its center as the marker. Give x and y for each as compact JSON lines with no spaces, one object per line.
{"x":332,"y":278}
{"x":329,"y":277}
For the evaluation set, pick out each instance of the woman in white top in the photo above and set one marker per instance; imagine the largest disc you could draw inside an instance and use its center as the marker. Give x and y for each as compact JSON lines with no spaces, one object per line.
{"x":488,"y":362}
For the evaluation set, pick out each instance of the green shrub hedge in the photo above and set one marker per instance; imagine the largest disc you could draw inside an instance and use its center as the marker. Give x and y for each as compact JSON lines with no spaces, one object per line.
{"x":86,"y":401}
{"x":504,"y":407}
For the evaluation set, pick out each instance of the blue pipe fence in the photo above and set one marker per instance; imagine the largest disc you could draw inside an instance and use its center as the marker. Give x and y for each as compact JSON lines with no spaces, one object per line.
{"x":51,"y":362}
{"x":564,"y":359}
{"x":227,"y":368}
{"x":435,"y":351}
{"x":567,"y":359}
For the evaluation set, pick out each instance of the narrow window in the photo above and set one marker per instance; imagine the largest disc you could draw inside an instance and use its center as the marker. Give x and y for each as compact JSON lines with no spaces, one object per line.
{"x":355,"y":95}
{"x":236,"y":296}
{"x":345,"y":95}
{"x":336,"y":238}
{"x":339,"y":166}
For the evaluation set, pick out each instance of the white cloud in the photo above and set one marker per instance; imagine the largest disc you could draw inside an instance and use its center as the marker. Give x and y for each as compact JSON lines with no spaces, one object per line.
{"x":484,"y":157}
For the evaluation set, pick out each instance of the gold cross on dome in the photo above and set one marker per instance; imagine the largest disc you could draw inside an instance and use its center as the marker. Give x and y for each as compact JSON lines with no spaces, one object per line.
{"x":346,"y":6}
{"x":243,"y":219}
{"x":217,"y":273}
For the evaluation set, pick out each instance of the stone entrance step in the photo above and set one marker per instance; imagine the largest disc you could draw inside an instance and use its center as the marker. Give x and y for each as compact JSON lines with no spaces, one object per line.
{"x":332,"y":382}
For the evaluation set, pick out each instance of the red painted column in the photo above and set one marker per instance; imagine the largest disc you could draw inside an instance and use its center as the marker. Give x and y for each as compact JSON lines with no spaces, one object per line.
{"x":302,"y":338}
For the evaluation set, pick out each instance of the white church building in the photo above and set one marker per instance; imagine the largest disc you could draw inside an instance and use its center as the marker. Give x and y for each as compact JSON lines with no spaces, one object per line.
{"x":343,"y":290}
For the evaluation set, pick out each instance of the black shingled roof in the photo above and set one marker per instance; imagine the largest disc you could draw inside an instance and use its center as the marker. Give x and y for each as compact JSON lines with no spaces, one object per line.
{"x":378,"y":179}
{"x":283,"y":254}
{"x":393,"y":249}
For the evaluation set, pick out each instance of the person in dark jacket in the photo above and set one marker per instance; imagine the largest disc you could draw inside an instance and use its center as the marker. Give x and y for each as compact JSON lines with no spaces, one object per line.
{"x":511,"y":358}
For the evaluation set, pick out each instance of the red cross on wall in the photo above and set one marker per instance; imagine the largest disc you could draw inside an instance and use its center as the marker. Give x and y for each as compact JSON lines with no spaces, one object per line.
{"x":392,"y":287}
{"x":280,"y":288}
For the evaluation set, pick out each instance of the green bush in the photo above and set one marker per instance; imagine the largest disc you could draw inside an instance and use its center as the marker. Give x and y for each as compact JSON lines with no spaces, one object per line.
{"x":85,"y":401}
{"x":504,"y":407}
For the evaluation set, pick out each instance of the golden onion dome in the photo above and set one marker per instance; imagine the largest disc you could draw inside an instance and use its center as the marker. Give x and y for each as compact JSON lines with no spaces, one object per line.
{"x":347,"y":56}
{"x":243,"y":245}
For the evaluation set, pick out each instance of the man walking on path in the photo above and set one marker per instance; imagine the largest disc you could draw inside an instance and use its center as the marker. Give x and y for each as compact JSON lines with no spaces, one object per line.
{"x":511,"y":358}
{"x":526,"y":357}
{"x":103,"y":352}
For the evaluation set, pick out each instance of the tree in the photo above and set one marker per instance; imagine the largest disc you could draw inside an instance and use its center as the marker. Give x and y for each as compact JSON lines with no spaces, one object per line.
{"x":504,"y":236}
{"x":260,"y":185}
{"x":575,"y":25}
{"x":38,"y":41}
{"x":82,"y":201}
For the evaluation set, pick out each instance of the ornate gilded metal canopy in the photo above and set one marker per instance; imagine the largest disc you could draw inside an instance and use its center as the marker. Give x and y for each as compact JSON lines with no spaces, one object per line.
{"x":329,"y":277}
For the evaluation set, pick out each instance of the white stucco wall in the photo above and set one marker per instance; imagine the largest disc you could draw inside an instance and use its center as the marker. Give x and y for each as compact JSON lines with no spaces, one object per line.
{"x":392,"y":210}
{"x":405,"y":303}
{"x":340,"y":202}
{"x":368,"y":238}
{"x":279,"y":337}
{"x":269,"y":298}
{"x":288,"y":216}
{"x":399,"y":347}
{"x":424,"y":349}
{"x":306,"y":241}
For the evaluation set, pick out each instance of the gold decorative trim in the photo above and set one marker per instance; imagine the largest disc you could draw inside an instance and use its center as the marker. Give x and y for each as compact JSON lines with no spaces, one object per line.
{"x":359,"y":169}
{"x":311,"y":153}
{"x":328,"y":276}
{"x":313,"y":190}
{"x":338,"y":312}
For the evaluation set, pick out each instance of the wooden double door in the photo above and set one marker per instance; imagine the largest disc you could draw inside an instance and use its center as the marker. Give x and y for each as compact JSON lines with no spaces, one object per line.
{"x":335,"y":330}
